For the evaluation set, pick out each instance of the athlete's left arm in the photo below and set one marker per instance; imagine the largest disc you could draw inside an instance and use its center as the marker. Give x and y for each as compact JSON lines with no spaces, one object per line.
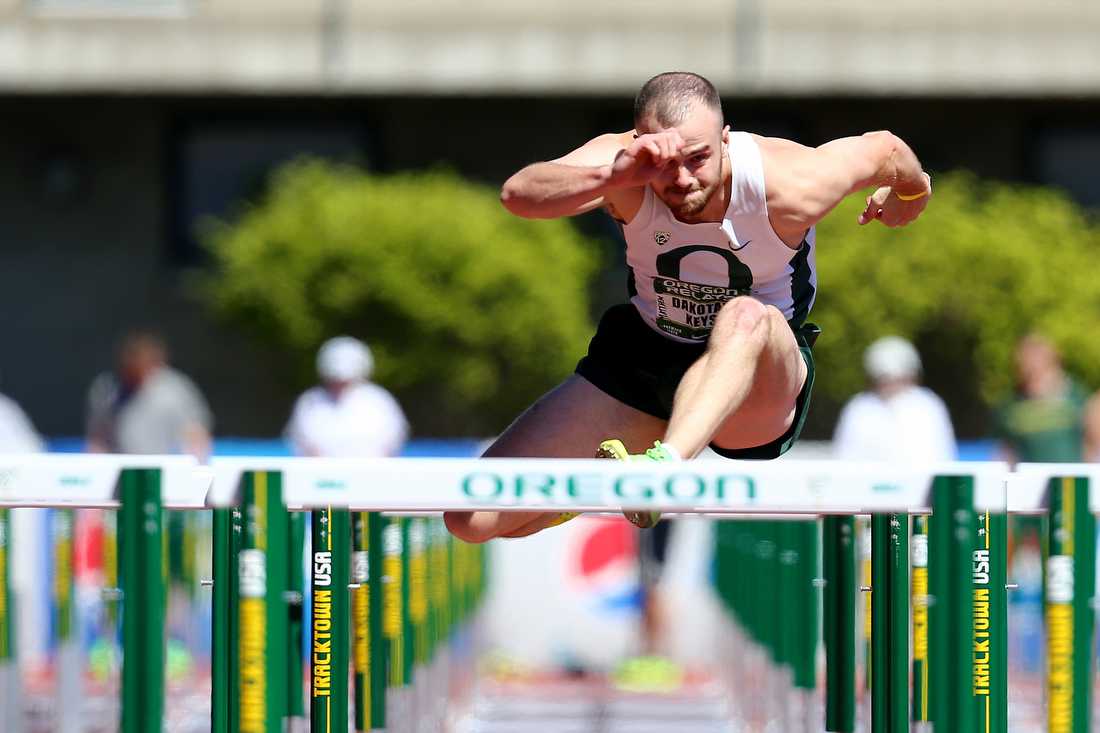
{"x":804,"y":184}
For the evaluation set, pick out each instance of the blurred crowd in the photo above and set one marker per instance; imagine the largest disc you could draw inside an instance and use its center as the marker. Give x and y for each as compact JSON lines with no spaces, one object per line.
{"x":1049,"y":417}
{"x":146,"y":406}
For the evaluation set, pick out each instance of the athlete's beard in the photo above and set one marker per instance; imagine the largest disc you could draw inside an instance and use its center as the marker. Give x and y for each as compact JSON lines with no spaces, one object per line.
{"x":693,"y":203}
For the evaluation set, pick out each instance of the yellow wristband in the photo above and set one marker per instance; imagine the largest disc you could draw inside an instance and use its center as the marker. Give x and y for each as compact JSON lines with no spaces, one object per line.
{"x":915,"y":196}
{"x":911,"y":197}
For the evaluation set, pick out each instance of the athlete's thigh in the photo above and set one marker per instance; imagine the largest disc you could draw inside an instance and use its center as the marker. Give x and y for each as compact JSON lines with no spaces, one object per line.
{"x":571,"y":420}
{"x":769,"y":410}
{"x":568,"y":422}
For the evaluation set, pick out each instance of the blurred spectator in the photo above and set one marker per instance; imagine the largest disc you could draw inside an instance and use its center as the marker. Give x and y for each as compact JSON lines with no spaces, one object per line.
{"x":896,"y":419}
{"x":347,"y":415}
{"x":1044,"y":420}
{"x":17,"y":433}
{"x":144,"y":407}
{"x":28,"y":528}
{"x":147,"y":406}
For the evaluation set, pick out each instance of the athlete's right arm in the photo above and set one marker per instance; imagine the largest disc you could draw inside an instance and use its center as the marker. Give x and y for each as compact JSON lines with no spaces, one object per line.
{"x":608,"y":171}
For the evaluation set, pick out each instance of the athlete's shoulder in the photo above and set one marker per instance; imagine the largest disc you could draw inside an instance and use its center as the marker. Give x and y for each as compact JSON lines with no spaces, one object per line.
{"x":778,"y":147}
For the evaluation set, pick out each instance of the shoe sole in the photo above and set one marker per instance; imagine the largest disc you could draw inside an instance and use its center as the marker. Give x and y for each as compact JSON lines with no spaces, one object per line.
{"x":643,"y":519}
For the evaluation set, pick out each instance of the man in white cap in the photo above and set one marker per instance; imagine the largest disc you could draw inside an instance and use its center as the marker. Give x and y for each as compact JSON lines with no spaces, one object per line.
{"x":897,"y":419}
{"x":347,"y":415}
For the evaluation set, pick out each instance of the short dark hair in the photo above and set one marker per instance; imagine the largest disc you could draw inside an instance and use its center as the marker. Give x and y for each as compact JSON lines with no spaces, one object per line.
{"x":669,"y":97}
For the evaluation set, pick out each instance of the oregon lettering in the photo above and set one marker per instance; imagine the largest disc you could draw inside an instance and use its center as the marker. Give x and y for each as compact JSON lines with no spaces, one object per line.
{"x":639,"y":488}
{"x":688,"y":309}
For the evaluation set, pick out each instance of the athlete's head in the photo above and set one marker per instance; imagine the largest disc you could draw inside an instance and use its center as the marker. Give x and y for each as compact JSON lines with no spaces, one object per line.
{"x":689,"y":104}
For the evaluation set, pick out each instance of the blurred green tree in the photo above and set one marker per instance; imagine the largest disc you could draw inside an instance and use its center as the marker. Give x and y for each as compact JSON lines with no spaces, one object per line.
{"x":471,"y":312}
{"x":986,"y":263}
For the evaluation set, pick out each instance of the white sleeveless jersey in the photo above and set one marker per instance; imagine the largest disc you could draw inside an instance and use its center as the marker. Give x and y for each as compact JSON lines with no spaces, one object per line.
{"x":681,"y":274}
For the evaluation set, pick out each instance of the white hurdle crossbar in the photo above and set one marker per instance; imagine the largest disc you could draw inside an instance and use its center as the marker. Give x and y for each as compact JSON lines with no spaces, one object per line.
{"x":512,"y":484}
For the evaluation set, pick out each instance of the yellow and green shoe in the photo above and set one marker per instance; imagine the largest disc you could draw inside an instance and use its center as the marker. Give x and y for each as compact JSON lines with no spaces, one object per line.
{"x":615,"y":449}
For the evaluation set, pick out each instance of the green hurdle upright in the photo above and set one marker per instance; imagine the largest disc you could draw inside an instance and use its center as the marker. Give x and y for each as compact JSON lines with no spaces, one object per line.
{"x":368,"y":642}
{"x":1070,"y":584}
{"x":920,"y":592}
{"x":839,"y":563}
{"x":951,"y":618}
{"x":223,"y":708}
{"x":990,"y":611}
{"x":890,"y":623}
{"x":806,"y":602}
{"x":261,"y":651}
{"x":296,"y":708}
{"x":142,"y":583}
{"x":329,"y":657}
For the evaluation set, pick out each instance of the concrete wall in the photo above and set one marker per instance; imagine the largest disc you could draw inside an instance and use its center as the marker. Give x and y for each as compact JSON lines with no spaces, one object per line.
{"x":85,"y":256}
{"x":763,"y":46}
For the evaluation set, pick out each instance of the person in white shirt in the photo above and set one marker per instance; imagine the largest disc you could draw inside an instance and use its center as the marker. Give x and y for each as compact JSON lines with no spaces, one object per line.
{"x":347,"y":415}
{"x":17,"y":433}
{"x":897,"y":419}
{"x":28,"y":535}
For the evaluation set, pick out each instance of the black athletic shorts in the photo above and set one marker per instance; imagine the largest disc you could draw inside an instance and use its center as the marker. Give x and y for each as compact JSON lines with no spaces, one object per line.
{"x":631,"y":362}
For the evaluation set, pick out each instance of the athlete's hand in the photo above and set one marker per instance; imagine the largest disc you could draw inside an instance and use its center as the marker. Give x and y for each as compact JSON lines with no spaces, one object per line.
{"x":892,"y":211}
{"x":639,"y":163}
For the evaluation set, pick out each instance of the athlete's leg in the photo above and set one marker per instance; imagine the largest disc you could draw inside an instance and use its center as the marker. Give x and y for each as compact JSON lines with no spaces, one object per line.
{"x":568,"y":422}
{"x":741,"y":392}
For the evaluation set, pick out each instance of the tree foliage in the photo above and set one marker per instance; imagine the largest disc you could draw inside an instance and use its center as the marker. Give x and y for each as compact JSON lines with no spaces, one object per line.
{"x":985,"y":264}
{"x":470,"y":311}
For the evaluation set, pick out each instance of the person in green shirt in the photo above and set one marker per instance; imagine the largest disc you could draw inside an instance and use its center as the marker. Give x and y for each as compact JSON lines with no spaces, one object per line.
{"x":1044,"y":420}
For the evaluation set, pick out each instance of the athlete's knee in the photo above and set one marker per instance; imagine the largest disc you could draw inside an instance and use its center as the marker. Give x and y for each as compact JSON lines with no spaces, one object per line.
{"x":744,"y":317}
{"x":463,"y":526}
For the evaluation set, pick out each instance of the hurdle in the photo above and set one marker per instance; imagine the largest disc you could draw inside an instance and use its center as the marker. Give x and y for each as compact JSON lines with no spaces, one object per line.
{"x":389,"y":507}
{"x":138,"y":487}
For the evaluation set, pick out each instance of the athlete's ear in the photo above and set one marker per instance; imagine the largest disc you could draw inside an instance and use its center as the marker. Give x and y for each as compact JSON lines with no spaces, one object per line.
{"x":725,"y":134}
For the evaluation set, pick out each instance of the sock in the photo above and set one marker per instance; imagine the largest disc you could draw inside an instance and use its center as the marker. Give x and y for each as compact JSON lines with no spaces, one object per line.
{"x":672,"y":452}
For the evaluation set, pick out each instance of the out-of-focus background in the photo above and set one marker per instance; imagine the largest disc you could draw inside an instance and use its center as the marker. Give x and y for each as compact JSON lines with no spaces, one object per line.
{"x":129,"y":125}
{"x":196,"y":197}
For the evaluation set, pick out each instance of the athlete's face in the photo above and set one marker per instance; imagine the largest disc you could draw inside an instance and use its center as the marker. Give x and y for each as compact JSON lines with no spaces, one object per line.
{"x":688,"y":184}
